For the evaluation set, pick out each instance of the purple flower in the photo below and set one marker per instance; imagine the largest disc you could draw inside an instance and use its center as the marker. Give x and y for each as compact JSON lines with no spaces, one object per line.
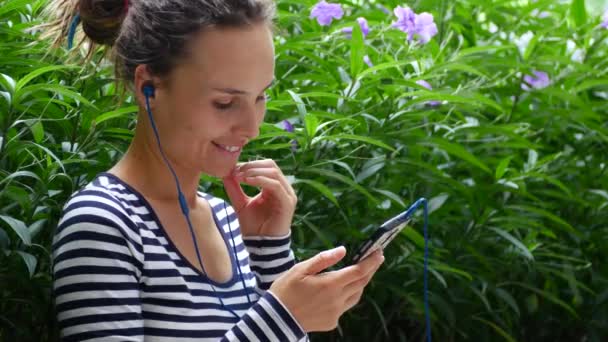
{"x":368,"y":61}
{"x":604,"y":23}
{"x":325,"y":12}
{"x":406,"y":20}
{"x":364,"y":28}
{"x":287,"y":126}
{"x":540,"y":80}
{"x":426,"y":85}
{"x":422,"y":25}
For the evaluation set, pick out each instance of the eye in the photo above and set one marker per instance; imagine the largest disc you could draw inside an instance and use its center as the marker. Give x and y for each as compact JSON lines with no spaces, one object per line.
{"x":222,"y":105}
{"x":264,"y":97}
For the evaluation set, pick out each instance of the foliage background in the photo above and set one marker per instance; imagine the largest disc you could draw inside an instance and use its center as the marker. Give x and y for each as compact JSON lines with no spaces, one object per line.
{"x":516,"y":179}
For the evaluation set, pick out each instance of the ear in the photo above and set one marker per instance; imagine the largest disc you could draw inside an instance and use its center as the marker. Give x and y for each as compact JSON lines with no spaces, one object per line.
{"x":142,"y":77}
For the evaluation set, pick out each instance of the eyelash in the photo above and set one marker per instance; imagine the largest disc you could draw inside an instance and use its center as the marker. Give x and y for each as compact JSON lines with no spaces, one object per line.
{"x":226,"y":106}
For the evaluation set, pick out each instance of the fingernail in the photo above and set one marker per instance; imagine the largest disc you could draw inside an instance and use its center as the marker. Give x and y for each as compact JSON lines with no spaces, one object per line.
{"x":336,"y":250}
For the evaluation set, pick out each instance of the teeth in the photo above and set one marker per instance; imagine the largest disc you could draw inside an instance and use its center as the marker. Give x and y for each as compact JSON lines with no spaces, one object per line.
{"x":229,"y":148}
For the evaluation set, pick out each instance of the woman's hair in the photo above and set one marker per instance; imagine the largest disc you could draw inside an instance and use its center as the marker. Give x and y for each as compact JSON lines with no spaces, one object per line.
{"x":151,"y":32}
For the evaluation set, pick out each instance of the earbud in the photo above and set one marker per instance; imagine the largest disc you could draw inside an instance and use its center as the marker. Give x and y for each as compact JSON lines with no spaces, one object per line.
{"x":148,"y":89}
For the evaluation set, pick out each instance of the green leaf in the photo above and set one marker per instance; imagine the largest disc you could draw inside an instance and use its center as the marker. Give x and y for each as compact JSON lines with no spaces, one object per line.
{"x":343,"y":179}
{"x":118,"y":113}
{"x":37,"y":131}
{"x":516,"y":243}
{"x":20,"y":174}
{"x":589,"y":84}
{"x":544,"y":294}
{"x":380,"y":315}
{"x":578,"y":12}
{"x":445,"y":268}
{"x":12,"y":5}
{"x":356,"y":51}
{"x":299,"y":103}
{"x":36,"y":227}
{"x":30,"y":261}
{"x":324,"y":190}
{"x":454,"y":66}
{"x":383,"y":66}
{"x":312,"y":123}
{"x":19,"y":228}
{"x":361,"y":138}
{"x":507,"y":298}
{"x":7,"y":83}
{"x":501,"y":169}
{"x":458,"y":151}
{"x":484,"y":49}
{"x":496,"y":328}
{"x":29,"y":77}
{"x":54,"y":88}
{"x":319,"y":233}
{"x":437,"y":202}
{"x":552,"y":217}
{"x":4,"y":241}
{"x":396,"y":198}
{"x":531,"y":46}
{"x":414,"y":236}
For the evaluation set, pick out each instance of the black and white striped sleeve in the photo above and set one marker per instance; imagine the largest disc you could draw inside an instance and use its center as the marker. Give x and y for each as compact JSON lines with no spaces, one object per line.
{"x":97,"y":259}
{"x":270,"y":257}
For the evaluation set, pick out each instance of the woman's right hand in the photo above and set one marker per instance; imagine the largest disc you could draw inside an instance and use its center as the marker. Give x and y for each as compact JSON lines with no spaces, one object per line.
{"x":317,"y":300}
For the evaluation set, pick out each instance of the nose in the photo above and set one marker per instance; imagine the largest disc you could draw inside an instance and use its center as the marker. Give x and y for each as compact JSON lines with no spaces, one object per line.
{"x":248,"y":124}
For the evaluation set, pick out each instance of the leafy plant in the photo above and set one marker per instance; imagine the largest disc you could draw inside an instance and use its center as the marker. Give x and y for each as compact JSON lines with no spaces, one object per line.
{"x":500,"y":120}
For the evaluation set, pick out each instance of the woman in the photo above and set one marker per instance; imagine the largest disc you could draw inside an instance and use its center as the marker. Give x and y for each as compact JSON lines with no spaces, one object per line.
{"x":137,"y":259}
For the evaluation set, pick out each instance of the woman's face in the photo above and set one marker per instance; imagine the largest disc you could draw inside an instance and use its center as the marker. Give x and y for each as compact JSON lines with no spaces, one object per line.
{"x":214,"y":102}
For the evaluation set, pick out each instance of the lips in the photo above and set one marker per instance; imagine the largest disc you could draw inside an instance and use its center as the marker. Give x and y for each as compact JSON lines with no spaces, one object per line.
{"x":229,"y":148}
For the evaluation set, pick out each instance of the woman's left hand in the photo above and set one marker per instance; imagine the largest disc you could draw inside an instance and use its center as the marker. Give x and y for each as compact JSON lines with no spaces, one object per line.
{"x":270,"y":212}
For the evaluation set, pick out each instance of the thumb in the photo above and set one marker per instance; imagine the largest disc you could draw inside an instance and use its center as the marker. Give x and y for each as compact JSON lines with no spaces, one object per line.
{"x":323,"y":260}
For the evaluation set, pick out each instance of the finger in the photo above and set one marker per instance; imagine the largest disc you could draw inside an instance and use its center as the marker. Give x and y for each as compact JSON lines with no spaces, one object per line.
{"x":322,"y":261}
{"x":361,"y":283}
{"x":238,"y":198}
{"x":358,"y":271}
{"x":273,"y":173}
{"x":273,"y":186}
{"x":266,"y":164}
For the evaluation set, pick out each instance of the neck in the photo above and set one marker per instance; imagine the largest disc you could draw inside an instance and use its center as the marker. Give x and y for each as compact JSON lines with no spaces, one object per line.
{"x":144,"y":168}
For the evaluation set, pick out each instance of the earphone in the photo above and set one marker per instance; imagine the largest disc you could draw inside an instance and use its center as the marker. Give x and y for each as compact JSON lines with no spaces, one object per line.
{"x":149,"y":91}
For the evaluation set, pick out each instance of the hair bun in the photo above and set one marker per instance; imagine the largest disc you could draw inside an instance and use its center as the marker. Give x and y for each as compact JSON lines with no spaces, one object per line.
{"x":101,"y":19}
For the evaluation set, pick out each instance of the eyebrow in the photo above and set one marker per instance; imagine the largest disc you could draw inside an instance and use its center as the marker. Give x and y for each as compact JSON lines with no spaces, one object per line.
{"x":234,"y":91}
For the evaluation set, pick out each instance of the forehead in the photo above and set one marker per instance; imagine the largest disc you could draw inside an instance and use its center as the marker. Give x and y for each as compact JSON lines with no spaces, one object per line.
{"x":242,"y":56}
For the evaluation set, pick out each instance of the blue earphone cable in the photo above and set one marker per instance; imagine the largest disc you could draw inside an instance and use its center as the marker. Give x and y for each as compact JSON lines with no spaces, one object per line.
{"x":72,"y":30}
{"x":427,"y":311}
{"x":149,"y":92}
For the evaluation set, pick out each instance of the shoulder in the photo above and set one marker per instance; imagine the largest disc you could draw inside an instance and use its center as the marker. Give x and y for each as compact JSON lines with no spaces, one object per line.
{"x":101,"y":206}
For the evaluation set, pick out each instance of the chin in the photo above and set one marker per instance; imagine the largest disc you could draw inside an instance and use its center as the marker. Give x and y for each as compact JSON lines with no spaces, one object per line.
{"x":219,"y":171}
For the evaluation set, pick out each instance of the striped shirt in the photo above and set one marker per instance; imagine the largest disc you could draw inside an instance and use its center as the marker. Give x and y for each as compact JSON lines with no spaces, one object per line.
{"x":118,"y":277}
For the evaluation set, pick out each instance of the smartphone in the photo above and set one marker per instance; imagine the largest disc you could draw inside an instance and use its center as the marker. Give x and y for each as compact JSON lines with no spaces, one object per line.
{"x":382,"y":236}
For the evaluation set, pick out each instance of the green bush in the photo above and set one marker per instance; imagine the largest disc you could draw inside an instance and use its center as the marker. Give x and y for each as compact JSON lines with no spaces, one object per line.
{"x":516,"y":177}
